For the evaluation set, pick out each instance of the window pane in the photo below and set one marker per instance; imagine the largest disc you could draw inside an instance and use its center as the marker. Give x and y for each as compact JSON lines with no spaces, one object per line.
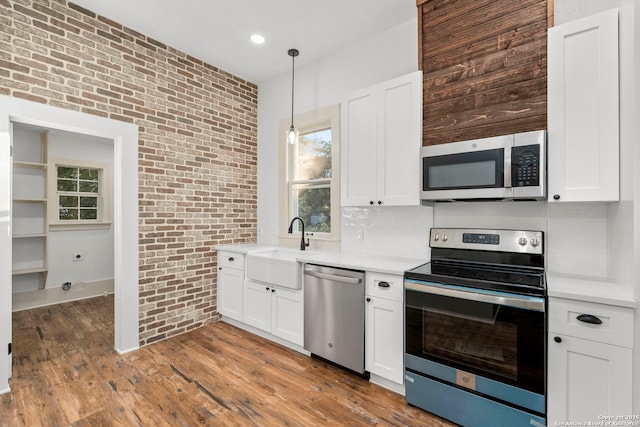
{"x":314,"y":155}
{"x":70,"y":173}
{"x":67,"y":185}
{"x":68,"y":201}
{"x":88,"y":214}
{"x":88,"y":187}
{"x":89,"y":174}
{"x":68,"y":214}
{"x":314,"y":207}
{"x":88,"y":202}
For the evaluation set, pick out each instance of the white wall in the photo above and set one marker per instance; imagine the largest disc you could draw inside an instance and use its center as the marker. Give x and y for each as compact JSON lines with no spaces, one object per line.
{"x":96,"y":246}
{"x":373,"y":60}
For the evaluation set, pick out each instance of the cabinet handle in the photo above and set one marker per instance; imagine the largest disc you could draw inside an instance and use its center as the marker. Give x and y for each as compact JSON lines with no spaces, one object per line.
{"x":231,"y":259}
{"x":379,"y":202}
{"x":219,"y":268}
{"x":556,"y":197}
{"x":273,"y":290}
{"x":589,"y":318}
{"x":368,"y":299}
{"x":268,"y":289}
{"x":370,"y":202}
{"x":384,"y":285}
{"x":557,"y":339}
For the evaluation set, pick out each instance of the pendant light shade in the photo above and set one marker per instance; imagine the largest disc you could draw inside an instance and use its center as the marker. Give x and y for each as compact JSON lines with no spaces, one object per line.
{"x":292,"y":133}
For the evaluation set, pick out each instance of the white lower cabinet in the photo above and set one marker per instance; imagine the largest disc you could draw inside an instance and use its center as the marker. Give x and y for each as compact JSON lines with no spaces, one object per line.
{"x":275,"y":310}
{"x":257,"y":305}
{"x":589,"y":363}
{"x":384,"y":347}
{"x":230,"y":284}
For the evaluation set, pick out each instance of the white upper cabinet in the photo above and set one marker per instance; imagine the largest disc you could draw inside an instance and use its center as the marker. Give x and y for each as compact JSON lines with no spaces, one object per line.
{"x":583,"y":117}
{"x":381,"y":139}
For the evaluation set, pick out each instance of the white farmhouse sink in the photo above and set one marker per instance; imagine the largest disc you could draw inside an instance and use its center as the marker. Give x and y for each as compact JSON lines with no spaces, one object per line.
{"x":276,"y":267}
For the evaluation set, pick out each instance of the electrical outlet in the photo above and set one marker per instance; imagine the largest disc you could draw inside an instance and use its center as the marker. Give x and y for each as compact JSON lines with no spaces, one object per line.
{"x":78,"y":256}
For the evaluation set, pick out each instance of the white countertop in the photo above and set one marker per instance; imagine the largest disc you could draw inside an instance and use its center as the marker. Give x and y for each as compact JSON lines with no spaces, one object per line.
{"x":601,"y":291}
{"x":374,"y":263}
{"x":242,"y":248}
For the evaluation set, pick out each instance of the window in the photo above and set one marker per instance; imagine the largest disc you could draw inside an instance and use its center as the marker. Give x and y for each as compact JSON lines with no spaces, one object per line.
{"x":78,"y":193}
{"x":311,"y":184}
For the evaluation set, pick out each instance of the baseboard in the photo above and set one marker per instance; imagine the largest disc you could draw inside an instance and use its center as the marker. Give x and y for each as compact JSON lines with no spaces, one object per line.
{"x":388,"y":384}
{"x":265,"y":335}
{"x":49,"y":296}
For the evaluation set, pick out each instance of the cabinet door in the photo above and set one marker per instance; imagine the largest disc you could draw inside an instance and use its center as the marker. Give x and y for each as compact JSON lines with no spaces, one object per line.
{"x":587,"y":379}
{"x":358,"y":154}
{"x":384,"y":339}
{"x":583,"y":119}
{"x":400,"y":136}
{"x":287,"y":319}
{"x":230,"y":292}
{"x":257,"y":305}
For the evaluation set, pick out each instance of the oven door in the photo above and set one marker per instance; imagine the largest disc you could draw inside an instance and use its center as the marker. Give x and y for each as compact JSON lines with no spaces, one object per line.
{"x":490,"y":342}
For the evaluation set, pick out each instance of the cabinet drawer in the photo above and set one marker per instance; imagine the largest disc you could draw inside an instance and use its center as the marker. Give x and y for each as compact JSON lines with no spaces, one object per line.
{"x":616,"y":327}
{"x":387,"y":286}
{"x":231,"y":260}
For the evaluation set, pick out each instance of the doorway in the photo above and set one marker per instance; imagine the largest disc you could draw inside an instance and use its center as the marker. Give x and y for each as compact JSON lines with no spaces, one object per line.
{"x":62,"y":218}
{"x":124,"y":140}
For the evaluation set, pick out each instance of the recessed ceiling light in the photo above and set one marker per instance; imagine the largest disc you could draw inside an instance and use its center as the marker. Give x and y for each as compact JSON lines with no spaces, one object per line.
{"x":257,"y":38}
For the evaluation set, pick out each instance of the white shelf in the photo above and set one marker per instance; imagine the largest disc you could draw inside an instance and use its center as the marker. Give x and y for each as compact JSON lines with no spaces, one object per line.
{"x":20,"y":271}
{"x":29,"y":213}
{"x":26,"y":200}
{"x":29,"y":165}
{"x":29,"y":236}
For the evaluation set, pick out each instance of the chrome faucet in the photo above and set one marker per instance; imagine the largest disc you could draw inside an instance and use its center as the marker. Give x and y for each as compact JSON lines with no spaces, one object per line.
{"x":302,"y":242}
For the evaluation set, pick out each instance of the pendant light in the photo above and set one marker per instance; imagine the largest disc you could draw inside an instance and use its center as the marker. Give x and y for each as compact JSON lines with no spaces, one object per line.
{"x":292,"y":133}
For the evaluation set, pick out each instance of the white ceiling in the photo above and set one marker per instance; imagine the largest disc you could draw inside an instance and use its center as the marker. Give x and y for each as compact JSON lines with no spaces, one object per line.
{"x":218,"y":31}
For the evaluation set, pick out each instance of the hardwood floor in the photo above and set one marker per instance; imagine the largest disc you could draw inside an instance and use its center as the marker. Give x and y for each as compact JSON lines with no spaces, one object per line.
{"x":66,"y":373}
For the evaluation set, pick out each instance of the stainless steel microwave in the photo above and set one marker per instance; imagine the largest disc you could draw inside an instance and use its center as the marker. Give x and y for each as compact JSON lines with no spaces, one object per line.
{"x":507,"y":167}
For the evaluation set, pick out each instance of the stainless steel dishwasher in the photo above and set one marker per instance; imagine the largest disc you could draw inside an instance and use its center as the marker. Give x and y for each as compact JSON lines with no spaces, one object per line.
{"x":334,"y":315}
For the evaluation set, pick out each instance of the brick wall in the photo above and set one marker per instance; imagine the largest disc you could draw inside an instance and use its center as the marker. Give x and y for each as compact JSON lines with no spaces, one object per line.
{"x":197,"y":146}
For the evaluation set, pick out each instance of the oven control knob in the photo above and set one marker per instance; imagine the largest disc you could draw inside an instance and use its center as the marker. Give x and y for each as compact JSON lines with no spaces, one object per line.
{"x":534,"y":242}
{"x":436,"y":237}
{"x":522,"y":241}
{"x":445,"y":238}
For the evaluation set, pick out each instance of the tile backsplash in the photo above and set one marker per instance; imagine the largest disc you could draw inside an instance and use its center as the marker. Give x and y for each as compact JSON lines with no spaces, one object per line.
{"x":577,"y":239}
{"x":401,"y":231}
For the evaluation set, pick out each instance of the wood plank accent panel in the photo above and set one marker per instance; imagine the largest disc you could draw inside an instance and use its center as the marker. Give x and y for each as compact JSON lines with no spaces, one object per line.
{"x":66,"y":373}
{"x":485,"y":67}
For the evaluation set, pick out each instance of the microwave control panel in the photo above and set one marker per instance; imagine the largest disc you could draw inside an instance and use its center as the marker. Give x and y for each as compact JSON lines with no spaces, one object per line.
{"x":525,"y":166}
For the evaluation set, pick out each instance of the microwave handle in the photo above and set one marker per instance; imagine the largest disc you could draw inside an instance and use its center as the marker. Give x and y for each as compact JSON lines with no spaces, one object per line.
{"x":507,"y":167}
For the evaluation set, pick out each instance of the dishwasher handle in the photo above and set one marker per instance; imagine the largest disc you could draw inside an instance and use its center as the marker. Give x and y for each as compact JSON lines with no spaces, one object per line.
{"x":333,"y":277}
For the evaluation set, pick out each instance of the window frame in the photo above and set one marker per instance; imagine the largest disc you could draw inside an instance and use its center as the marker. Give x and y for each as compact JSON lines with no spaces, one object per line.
{"x":316,"y":120}
{"x":53,"y":196}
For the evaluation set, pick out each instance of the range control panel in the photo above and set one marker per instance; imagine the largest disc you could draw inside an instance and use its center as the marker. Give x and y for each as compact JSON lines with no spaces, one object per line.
{"x":525,"y":241}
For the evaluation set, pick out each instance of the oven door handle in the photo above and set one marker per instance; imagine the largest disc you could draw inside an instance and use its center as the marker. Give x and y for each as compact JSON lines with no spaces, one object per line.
{"x":526,"y":303}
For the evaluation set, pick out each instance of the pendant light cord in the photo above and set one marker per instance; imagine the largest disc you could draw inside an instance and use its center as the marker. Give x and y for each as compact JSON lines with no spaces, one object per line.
{"x":293,"y":53}
{"x":293,"y":77}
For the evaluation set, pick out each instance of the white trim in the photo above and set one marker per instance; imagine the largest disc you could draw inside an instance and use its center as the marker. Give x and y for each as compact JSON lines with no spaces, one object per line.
{"x":75,"y":226}
{"x":125,"y":200}
{"x":49,"y":296}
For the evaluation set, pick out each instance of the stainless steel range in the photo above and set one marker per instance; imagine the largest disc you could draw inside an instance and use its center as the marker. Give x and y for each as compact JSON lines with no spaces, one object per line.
{"x":475,"y":328}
